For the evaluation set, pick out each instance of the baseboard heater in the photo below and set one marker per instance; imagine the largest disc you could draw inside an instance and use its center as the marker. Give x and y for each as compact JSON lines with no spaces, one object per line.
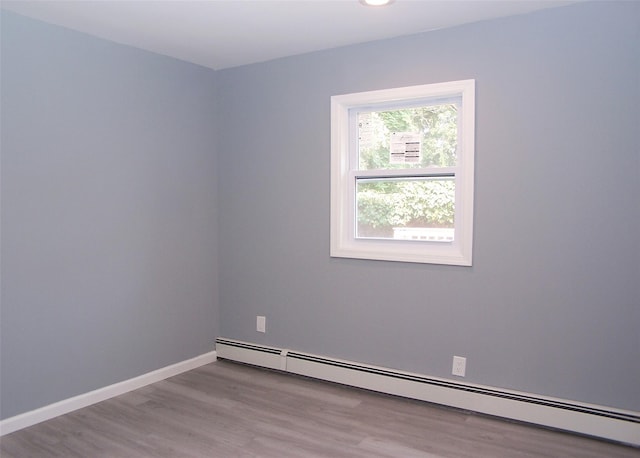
{"x":593,"y":420}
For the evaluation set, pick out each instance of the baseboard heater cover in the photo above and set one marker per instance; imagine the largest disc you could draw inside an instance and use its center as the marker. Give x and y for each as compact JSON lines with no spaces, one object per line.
{"x":593,"y":420}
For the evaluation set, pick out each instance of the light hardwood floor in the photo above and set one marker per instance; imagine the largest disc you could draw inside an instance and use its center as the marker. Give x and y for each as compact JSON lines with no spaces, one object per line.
{"x":226,"y":409}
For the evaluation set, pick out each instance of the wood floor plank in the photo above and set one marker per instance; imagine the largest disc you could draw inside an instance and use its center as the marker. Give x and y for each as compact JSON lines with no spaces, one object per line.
{"x":226,"y":409}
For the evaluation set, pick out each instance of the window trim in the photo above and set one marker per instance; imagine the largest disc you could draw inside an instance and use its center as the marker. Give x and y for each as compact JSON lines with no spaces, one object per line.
{"x":343,"y":242}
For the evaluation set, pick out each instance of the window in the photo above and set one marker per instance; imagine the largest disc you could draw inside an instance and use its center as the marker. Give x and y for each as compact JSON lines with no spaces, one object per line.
{"x":402,"y":174}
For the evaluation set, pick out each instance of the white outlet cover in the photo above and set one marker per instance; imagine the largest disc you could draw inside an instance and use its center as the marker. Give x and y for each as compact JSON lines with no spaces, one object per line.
{"x":261,"y":324}
{"x":459,"y":366}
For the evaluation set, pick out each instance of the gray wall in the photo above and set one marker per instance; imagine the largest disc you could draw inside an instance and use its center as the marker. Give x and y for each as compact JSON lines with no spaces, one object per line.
{"x":109,"y":262}
{"x":552,"y":302}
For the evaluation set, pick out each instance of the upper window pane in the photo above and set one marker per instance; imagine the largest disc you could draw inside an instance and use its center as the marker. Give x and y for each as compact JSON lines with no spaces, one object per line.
{"x":414,"y":137}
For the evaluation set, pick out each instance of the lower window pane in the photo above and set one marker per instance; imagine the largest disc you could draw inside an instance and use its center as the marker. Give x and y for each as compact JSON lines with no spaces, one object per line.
{"x":420,"y":209}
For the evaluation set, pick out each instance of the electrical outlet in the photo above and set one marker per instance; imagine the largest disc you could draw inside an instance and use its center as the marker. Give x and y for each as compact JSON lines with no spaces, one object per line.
{"x":261,"y":324}
{"x":459,"y":366}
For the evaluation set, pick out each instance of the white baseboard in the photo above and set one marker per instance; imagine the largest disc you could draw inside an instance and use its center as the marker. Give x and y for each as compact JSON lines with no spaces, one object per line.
{"x":589,"y":419}
{"x":33,"y":417}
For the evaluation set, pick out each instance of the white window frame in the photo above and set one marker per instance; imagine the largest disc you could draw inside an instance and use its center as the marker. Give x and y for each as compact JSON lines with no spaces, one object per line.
{"x":344,"y":171}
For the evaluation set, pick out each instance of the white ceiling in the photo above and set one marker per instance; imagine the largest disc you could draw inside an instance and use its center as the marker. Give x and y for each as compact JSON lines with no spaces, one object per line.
{"x":227,"y":33}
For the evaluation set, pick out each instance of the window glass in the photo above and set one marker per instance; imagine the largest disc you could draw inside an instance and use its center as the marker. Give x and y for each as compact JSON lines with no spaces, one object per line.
{"x":423,"y":136}
{"x":406,"y":209}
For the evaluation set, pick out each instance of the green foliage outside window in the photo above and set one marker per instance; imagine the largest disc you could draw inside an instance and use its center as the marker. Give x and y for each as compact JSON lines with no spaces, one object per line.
{"x":385,"y":204}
